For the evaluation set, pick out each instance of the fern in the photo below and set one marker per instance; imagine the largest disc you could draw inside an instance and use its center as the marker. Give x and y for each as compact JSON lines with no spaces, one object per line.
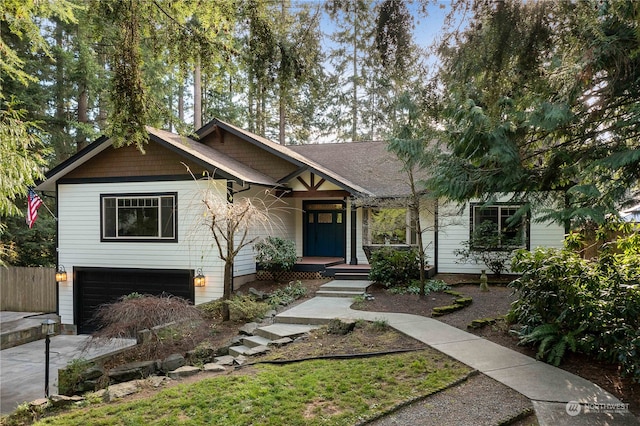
{"x":552,"y":342}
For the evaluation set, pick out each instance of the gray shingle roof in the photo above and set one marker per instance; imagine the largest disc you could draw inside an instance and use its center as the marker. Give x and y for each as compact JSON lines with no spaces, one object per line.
{"x":365,"y":169}
{"x":368,"y":164}
{"x":285,"y":151}
{"x":214,"y":157}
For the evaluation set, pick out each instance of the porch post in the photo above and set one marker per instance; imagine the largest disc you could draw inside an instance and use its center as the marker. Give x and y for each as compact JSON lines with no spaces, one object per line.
{"x":354,"y":258}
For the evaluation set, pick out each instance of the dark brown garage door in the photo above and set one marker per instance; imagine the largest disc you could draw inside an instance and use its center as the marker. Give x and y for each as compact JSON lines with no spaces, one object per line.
{"x":96,"y":286}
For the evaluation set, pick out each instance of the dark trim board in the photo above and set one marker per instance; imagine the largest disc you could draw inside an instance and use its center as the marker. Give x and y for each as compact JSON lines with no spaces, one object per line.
{"x":158,"y":178}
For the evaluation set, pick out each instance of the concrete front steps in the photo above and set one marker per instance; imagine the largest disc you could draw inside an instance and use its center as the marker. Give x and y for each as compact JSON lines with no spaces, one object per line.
{"x":274,"y":334}
{"x":348,"y":272}
{"x":344,"y":288}
{"x":331,"y":300}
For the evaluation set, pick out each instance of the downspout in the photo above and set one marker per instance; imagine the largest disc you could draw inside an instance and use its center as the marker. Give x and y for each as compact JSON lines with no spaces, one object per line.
{"x":354,"y":257}
{"x":435,"y":237}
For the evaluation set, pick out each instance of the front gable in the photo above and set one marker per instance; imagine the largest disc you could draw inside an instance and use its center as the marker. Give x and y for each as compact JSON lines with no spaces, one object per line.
{"x":248,"y":153}
{"x":280,"y":162}
{"x":128,"y":161}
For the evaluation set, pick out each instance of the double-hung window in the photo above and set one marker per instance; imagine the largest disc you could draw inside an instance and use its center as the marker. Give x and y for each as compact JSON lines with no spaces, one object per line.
{"x":139,"y":217}
{"x":498,"y":227}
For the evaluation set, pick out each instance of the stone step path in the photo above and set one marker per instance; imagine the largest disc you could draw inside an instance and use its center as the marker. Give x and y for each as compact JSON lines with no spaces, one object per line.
{"x":288,"y":328}
{"x":270,"y":335}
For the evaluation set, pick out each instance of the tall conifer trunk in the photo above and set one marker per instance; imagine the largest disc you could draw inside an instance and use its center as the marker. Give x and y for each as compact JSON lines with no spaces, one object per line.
{"x":197,"y":96}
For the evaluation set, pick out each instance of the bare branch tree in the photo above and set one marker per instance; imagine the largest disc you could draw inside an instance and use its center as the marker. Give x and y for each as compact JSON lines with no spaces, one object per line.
{"x":235,"y":223}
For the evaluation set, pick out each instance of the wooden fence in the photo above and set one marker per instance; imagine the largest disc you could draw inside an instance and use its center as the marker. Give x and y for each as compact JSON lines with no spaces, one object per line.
{"x":27,"y":289}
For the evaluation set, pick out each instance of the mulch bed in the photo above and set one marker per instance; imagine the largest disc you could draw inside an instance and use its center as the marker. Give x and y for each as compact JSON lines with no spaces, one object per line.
{"x":494,"y":304}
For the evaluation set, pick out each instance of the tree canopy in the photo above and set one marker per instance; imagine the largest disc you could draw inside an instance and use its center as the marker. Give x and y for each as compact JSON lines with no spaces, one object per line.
{"x":542,"y":96}
{"x":530,"y":98}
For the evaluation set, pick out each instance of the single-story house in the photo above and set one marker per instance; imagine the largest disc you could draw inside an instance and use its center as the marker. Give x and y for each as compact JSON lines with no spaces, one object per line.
{"x":132,"y":222}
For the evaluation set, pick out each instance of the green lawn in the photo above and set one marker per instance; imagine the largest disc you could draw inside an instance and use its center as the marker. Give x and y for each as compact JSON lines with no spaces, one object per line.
{"x":319,"y":392}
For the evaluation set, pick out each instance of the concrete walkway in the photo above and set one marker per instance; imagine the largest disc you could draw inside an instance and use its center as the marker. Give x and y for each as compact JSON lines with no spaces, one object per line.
{"x":22,"y":367}
{"x":554,"y":392}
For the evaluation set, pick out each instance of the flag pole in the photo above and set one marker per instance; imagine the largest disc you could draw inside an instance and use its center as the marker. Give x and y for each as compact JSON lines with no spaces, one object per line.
{"x":50,"y":212}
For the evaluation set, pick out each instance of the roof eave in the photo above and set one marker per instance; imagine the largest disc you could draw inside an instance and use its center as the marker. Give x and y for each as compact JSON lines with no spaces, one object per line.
{"x":71,"y":163}
{"x":205,"y":164}
{"x":204,"y":131}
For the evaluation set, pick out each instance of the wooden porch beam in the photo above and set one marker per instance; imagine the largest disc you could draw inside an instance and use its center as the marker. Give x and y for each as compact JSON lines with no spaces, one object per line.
{"x":318,"y":194}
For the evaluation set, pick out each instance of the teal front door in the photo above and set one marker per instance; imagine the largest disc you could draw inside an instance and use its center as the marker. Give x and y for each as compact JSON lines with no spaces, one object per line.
{"x":324,"y":229}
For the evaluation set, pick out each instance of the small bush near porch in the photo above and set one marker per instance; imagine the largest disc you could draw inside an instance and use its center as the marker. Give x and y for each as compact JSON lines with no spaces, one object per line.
{"x":392,"y":267}
{"x":275,"y":255}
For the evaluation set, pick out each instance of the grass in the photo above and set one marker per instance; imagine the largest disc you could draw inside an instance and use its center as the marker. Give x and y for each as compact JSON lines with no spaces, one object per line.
{"x":318,"y":392}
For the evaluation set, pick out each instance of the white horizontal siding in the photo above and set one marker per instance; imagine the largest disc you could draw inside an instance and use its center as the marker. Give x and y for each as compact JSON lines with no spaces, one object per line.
{"x":427,"y":222}
{"x":80,"y":246}
{"x":281,"y":224}
{"x":454,"y":230}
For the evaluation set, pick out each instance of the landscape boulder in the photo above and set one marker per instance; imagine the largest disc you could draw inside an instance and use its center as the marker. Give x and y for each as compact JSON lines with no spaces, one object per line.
{"x":172,"y":362}
{"x":340,"y":326}
{"x":132,"y":371}
{"x":182,"y":372}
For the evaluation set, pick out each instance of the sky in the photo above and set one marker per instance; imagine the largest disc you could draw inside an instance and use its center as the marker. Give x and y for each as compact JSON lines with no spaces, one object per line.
{"x":426,"y":28}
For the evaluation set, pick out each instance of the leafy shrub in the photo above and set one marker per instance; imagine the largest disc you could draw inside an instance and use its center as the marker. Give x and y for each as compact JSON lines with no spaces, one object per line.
{"x":591,"y":306}
{"x":288,"y":294}
{"x":486,"y":246}
{"x":552,"y":342}
{"x":241,"y":308}
{"x":391,"y":267}
{"x":275,"y":255}
{"x":71,"y":378}
{"x":414,"y":288}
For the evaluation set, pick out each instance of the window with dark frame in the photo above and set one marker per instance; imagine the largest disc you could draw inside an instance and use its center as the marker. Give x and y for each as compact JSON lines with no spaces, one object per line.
{"x":499,"y":223}
{"x":139,"y":217}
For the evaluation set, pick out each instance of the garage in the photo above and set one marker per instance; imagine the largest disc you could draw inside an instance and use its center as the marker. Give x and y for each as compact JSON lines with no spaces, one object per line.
{"x":96,"y":286}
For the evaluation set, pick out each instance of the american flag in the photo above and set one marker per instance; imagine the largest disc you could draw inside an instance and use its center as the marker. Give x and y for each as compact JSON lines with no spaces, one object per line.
{"x":33,"y":204}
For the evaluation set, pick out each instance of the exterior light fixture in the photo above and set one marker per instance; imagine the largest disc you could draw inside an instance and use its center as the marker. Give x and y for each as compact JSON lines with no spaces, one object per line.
{"x":61,"y":274}
{"x":198,"y":280}
{"x":48,"y":329}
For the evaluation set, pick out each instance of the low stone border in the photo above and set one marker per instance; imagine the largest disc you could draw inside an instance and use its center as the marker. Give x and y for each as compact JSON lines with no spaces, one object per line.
{"x":460,"y":301}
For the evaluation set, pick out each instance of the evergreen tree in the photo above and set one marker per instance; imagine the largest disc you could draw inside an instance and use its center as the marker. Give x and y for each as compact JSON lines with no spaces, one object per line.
{"x":352,"y":63}
{"x":181,"y":32}
{"x":22,"y":151}
{"x":282,"y":61}
{"x":541,"y":96}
